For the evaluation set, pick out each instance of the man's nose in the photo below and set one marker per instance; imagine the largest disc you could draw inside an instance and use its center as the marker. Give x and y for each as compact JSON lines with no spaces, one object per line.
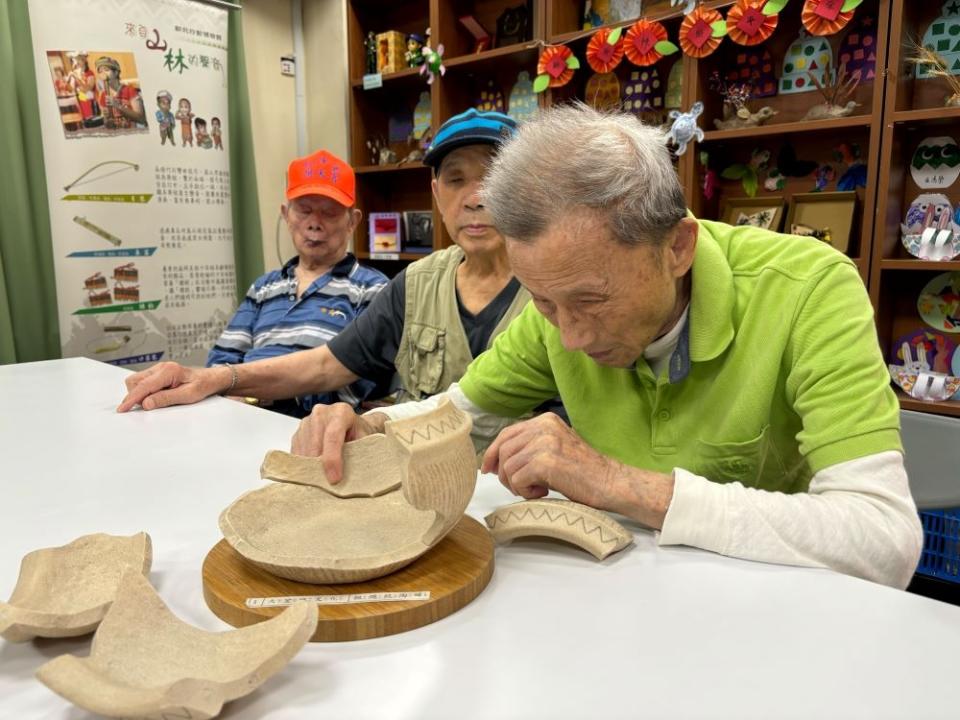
{"x":473,"y":199}
{"x":574,"y":334}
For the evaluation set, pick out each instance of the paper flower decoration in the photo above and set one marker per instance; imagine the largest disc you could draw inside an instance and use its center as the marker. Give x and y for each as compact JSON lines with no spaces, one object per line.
{"x":750,"y":22}
{"x":555,"y":67}
{"x":826,"y":17}
{"x":605,"y":50}
{"x":646,"y":42}
{"x":701,"y":32}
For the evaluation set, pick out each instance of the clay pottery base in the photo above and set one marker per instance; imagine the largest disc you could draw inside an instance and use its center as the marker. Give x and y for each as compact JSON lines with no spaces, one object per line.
{"x":401,"y":493}
{"x":66,"y":591}
{"x":455,"y":571}
{"x":145,"y":661}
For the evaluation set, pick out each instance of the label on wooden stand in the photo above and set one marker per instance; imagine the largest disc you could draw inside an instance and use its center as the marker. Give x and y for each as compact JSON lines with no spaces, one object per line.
{"x":339,"y":599}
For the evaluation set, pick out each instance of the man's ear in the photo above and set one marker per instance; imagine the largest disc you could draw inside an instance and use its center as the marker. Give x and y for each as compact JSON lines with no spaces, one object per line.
{"x":433,"y":187}
{"x":283,"y":211}
{"x":682,"y":247}
{"x":355,"y":216}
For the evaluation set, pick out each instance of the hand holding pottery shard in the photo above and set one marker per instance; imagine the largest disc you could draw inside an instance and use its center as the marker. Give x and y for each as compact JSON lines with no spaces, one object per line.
{"x":65,"y":591}
{"x":401,"y":493}
{"x":145,"y":662}
{"x":588,"y":528}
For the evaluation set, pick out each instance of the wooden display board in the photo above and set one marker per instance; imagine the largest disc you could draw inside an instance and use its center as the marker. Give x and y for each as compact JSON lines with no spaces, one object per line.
{"x":454,"y":572}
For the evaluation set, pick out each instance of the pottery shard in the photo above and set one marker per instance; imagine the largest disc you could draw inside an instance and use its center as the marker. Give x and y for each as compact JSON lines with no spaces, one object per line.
{"x":147,"y":663}
{"x":371,"y":468}
{"x":588,"y":528}
{"x":66,"y":591}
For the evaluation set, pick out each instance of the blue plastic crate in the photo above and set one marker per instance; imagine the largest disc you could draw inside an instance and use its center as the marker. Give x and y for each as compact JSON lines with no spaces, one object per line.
{"x":941,"y":544}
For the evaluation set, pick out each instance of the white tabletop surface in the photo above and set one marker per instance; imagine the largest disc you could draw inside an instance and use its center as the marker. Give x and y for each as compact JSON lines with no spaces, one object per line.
{"x":649,"y":633}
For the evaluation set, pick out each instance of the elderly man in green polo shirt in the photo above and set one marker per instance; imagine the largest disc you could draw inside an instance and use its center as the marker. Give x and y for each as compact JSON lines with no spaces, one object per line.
{"x":724,"y":385}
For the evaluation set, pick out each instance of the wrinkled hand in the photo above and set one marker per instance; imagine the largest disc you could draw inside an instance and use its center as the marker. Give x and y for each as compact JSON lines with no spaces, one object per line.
{"x":536,"y":456}
{"x":170,"y":383}
{"x":324,"y":432}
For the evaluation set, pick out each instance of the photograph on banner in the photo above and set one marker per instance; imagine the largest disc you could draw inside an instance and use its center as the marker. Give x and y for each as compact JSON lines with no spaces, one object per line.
{"x":103,"y":101}
{"x":140,"y":208}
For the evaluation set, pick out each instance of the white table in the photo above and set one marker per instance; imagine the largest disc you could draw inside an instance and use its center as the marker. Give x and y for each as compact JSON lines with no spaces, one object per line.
{"x":651,"y":632}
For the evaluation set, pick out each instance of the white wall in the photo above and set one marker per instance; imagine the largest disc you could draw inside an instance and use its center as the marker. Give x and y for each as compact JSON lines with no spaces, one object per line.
{"x":268,"y":34}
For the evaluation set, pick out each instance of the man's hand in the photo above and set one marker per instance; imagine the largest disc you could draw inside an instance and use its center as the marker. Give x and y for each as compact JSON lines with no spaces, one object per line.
{"x":327,"y":428}
{"x":536,"y":456}
{"x":170,"y":383}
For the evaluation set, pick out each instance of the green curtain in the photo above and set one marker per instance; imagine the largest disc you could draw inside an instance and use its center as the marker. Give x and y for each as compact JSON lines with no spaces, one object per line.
{"x":247,"y":237}
{"x":29,"y":329}
{"x":29,"y":326}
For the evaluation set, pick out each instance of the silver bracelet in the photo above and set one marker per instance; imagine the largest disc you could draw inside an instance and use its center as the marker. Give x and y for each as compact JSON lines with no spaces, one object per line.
{"x":234,"y":377}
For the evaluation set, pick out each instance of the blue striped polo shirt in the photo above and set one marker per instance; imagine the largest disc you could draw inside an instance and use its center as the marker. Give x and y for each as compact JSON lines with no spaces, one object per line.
{"x":272,"y":321}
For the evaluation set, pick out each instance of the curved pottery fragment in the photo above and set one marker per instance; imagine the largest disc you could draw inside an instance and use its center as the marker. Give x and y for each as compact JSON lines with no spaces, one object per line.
{"x":593,"y":530}
{"x":146,"y":662}
{"x":401,"y":493}
{"x":65,"y":591}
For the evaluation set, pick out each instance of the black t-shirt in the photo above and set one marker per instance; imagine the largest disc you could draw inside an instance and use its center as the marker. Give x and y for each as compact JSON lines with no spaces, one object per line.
{"x":368,"y":346}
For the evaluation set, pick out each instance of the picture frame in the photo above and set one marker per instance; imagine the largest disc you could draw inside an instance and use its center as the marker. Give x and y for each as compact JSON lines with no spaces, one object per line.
{"x":828,"y":216}
{"x":764,"y":212}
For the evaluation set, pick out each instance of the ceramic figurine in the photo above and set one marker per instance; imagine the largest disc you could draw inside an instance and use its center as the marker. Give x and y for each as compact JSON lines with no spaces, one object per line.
{"x":370,"y":53}
{"x":414,"y":53}
{"x":835,"y":95}
{"x":684,"y":128}
{"x":744,"y":118}
{"x":736,"y":112}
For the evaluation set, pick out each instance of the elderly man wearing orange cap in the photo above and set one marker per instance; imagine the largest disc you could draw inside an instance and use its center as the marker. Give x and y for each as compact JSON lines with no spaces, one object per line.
{"x":310,"y":299}
{"x":433,"y":319}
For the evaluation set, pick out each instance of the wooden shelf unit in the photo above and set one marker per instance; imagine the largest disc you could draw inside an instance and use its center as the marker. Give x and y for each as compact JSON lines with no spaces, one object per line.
{"x":395,"y":188}
{"x":894,"y":111}
{"x":913,"y":110}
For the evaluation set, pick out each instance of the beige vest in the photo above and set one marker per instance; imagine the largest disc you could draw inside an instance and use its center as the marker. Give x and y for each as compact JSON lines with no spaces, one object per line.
{"x":434,"y":350}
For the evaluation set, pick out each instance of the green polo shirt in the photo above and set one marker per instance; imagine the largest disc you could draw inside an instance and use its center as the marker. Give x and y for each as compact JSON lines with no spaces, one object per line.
{"x":777,"y":375}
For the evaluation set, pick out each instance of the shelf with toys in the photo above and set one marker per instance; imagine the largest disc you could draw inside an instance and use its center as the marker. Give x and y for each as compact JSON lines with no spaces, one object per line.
{"x":776,"y":99}
{"x":463,"y":54}
{"x":915,"y":274}
{"x":785,"y":113}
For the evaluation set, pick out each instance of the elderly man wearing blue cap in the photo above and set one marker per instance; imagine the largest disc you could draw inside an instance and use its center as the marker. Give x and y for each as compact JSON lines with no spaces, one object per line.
{"x":429,"y":323}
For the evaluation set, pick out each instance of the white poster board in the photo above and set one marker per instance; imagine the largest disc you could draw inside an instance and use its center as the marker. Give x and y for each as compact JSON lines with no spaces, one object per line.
{"x":139,"y":194}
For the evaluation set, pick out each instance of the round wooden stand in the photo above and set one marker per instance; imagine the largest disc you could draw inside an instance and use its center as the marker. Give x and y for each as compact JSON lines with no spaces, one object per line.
{"x":455,"y":572}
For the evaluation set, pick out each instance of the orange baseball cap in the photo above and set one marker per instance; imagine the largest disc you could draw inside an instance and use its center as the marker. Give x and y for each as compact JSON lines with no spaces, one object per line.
{"x":322,"y":173}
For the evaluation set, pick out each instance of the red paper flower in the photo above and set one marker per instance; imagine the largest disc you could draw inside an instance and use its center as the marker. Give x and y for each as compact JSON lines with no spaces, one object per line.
{"x":696,"y":32}
{"x":824,"y":17}
{"x":555,"y":63}
{"x":602,"y":55}
{"x":746,"y":23}
{"x":640,"y":43}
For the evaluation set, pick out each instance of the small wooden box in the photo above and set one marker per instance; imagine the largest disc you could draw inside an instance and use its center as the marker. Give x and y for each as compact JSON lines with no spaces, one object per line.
{"x":391,"y":46}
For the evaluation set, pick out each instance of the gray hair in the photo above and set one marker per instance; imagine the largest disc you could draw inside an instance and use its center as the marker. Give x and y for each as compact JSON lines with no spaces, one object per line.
{"x":571,"y":157}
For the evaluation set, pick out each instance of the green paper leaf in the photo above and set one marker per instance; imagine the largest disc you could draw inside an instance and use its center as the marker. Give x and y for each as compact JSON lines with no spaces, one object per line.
{"x":665,"y":47}
{"x":704,"y":158}
{"x":573,"y":63}
{"x":719,"y":28}
{"x":541,"y":83}
{"x":850,"y":5}
{"x":734,"y":172}
{"x":774,"y":6}
{"x":614,"y":37}
{"x":750,"y":183}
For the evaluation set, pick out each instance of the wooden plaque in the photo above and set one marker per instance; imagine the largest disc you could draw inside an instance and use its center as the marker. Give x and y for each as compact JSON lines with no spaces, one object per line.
{"x":455,"y":572}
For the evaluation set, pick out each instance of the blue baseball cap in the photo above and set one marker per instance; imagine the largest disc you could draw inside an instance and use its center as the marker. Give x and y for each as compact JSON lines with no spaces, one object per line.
{"x":469,"y":128}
